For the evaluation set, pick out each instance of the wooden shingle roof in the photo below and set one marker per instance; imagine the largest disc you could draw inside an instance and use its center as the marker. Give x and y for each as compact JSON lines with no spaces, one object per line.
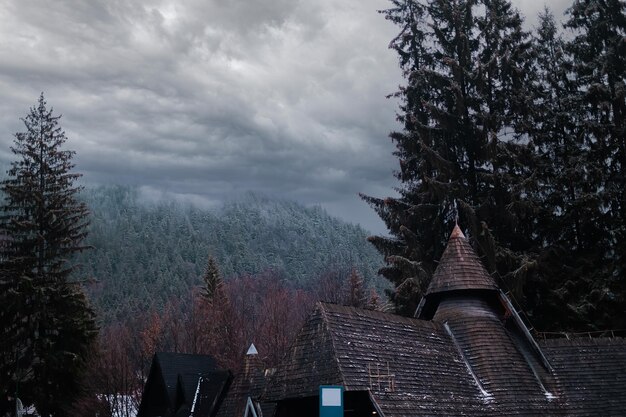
{"x":591,"y":374}
{"x":366,"y":350}
{"x":412,"y":367}
{"x":460,"y":268}
{"x":250,"y":383}
{"x":309,"y":363}
{"x":472,"y":357}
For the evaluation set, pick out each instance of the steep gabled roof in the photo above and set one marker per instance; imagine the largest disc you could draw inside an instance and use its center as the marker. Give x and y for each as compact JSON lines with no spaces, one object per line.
{"x":359,"y":348}
{"x":312,"y":349}
{"x":460,"y":268}
{"x":414,"y":367}
{"x":173,"y":381}
{"x":208,"y":395}
{"x":473,"y":357}
{"x":249,"y":384}
{"x":173,"y":364}
{"x":591,"y":373}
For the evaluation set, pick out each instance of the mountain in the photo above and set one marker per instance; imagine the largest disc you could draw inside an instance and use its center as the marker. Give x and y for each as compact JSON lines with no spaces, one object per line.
{"x":145,"y":252}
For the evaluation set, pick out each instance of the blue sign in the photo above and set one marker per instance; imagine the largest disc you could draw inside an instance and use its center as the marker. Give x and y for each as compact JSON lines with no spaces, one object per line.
{"x":331,"y":401}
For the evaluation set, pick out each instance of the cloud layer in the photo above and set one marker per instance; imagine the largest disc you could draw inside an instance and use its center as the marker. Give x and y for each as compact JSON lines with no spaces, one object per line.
{"x":206,"y":98}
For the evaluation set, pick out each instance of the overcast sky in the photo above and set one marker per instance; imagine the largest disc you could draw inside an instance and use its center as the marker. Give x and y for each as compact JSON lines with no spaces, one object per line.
{"x":206,"y":99}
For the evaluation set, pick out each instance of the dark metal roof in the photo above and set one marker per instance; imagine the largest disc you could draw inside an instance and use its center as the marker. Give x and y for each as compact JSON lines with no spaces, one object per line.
{"x":209,"y":393}
{"x":460,"y":268}
{"x":416,"y":367}
{"x":173,"y":364}
{"x":174,"y":383}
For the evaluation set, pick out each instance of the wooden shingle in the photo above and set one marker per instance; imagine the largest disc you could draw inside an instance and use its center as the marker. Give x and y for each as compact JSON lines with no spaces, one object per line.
{"x":471,"y":357}
{"x":460,"y":268}
{"x":412,"y":367}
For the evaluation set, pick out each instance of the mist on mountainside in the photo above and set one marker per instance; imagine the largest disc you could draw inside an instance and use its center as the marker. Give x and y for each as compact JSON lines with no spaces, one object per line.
{"x":147,"y":251}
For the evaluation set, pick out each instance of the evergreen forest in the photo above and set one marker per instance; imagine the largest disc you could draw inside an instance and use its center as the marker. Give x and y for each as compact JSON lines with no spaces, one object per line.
{"x":518,"y":135}
{"x":146,"y":252}
{"x":515,"y":133}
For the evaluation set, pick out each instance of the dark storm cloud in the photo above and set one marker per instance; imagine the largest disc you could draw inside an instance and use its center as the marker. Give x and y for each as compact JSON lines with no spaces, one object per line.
{"x":206,"y":98}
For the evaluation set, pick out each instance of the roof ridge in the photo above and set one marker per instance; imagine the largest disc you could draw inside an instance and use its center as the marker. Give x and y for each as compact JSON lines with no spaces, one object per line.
{"x":377,"y":315}
{"x":334,"y":347}
{"x":582,"y":341}
{"x":335,"y":306}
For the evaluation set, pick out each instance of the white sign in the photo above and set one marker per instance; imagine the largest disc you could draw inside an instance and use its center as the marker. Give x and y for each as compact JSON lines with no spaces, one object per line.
{"x":331,"y":397}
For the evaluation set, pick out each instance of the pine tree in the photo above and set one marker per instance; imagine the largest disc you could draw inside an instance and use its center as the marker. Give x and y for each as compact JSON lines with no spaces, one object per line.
{"x":598,"y":55}
{"x":47,"y":326}
{"x":218,"y":311}
{"x":465,"y":103}
{"x":355,"y":295}
{"x":212,"y":280}
{"x":564,"y":220}
{"x":374,"y":302}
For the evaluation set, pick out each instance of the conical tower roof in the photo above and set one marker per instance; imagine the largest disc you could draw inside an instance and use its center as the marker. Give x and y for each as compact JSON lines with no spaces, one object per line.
{"x":460,"y":268}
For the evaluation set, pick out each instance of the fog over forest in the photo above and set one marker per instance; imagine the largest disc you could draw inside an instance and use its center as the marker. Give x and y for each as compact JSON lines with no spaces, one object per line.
{"x":147,"y":251}
{"x":432,"y":188}
{"x":203,"y":99}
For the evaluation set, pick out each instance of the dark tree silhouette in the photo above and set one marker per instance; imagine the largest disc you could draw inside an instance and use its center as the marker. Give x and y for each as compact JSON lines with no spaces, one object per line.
{"x":212,"y":279}
{"x":46,"y":325}
{"x":463,"y":108}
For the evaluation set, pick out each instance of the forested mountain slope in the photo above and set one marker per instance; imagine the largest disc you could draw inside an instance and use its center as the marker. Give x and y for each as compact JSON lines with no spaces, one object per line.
{"x":147,"y":252}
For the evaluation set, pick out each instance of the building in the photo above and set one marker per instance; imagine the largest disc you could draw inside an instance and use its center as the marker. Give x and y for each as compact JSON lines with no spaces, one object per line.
{"x":243,"y":395}
{"x":183,"y":385}
{"x":467,"y":353}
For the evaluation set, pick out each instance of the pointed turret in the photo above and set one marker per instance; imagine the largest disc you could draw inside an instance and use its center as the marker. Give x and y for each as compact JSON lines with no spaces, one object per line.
{"x":488,"y":333}
{"x":460,"y":268}
{"x":246,"y":388}
{"x":252,"y":362}
{"x":460,"y":271}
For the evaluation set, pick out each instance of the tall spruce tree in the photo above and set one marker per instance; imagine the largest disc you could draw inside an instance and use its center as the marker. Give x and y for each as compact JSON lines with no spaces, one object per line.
{"x":213,"y":282}
{"x":565,"y":221}
{"x":46,"y":325}
{"x":556,"y":140}
{"x":355,"y":291}
{"x":598,"y":55}
{"x":464,"y":106}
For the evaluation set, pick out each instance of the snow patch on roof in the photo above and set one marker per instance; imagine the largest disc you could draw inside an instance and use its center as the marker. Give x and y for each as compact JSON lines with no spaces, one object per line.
{"x":195,"y":397}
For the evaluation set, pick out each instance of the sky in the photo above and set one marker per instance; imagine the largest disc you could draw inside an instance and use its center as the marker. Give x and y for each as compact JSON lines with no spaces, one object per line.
{"x":204,"y":100}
